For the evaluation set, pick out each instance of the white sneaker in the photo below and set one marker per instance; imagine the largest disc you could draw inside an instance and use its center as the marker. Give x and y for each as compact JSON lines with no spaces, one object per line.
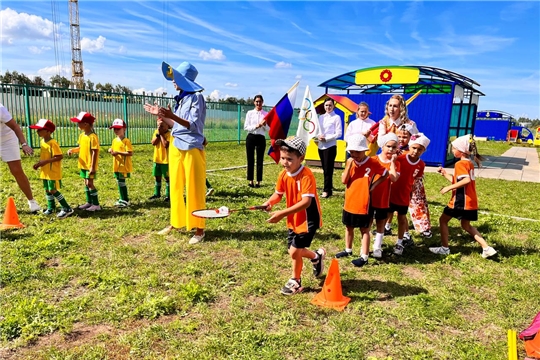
{"x":488,"y":252}
{"x":209,"y":192}
{"x":94,"y":208}
{"x":34,"y":206}
{"x":84,"y":206}
{"x":440,"y":250}
{"x":196,"y":239}
{"x":377,"y":253}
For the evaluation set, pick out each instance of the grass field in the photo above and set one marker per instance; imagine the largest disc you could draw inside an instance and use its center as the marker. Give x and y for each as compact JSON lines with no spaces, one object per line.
{"x":106,"y":286}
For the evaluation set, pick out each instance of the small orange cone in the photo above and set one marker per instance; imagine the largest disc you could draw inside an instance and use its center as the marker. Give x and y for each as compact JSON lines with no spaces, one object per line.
{"x":331,"y":295}
{"x":11,"y":219}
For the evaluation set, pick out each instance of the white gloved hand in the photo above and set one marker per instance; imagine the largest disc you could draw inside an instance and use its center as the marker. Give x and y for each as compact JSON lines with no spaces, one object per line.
{"x":223,"y":210}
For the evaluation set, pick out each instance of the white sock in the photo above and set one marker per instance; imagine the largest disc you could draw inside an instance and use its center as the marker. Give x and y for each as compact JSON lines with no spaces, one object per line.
{"x":387,"y":226}
{"x":399,"y":241}
{"x":378,"y":241}
{"x":348,"y":250}
{"x":364,"y":256}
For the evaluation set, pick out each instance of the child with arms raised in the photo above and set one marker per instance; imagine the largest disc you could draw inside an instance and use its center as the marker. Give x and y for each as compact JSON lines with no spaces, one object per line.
{"x":303,"y":211}
{"x":464,"y":202}
{"x":122,"y":152}
{"x":358,"y":178}
{"x":50,"y":163}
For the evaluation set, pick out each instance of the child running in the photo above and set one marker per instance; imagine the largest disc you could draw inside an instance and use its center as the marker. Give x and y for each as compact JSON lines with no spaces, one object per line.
{"x":411,"y":167}
{"x":358,"y":177}
{"x":122,"y":152}
{"x":50,"y":165}
{"x":88,"y":150}
{"x":380,"y":196}
{"x":464,"y":202}
{"x":303,"y":210}
{"x":160,"y":140}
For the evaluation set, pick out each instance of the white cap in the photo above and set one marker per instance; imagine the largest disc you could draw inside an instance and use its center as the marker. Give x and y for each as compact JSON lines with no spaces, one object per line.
{"x":382,"y":140}
{"x":463,"y":143}
{"x":419,"y":139}
{"x":357,"y":142}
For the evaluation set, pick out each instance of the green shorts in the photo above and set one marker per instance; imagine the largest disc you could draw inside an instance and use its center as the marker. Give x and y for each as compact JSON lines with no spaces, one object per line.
{"x":85,"y":174}
{"x":119,"y":175}
{"x":50,"y":185}
{"x":160,"y":170}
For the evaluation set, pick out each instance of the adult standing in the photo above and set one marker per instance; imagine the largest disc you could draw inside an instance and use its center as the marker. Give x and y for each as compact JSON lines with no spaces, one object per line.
{"x":396,"y":115}
{"x":10,"y":137}
{"x":331,"y":130}
{"x":362,"y":125}
{"x":256,"y":127}
{"x":187,"y":157}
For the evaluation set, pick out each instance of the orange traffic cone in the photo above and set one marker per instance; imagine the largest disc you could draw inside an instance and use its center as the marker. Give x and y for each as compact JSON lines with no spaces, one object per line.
{"x":11,"y":219}
{"x":331,"y":295}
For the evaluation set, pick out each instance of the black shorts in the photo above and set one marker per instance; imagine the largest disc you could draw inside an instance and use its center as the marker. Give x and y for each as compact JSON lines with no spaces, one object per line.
{"x":471,"y":215}
{"x":401,"y":209}
{"x":355,"y":220}
{"x":377,"y":213}
{"x":300,"y":241}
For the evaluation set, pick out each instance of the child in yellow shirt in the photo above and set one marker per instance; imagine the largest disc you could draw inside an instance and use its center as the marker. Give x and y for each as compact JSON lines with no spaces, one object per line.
{"x":122,"y":151}
{"x":160,"y":140}
{"x":51,"y":168}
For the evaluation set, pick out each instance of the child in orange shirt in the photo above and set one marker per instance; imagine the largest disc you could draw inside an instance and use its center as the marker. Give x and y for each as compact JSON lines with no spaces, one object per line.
{"x":358,"y":177}
{"x":380,"y":196}
{"x":464,"y":202}
{"x":303,"y":210}
{"x":411,"y":167}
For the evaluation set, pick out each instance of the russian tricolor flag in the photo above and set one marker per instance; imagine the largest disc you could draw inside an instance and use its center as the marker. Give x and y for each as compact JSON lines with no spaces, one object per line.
{"x":279,"y":120}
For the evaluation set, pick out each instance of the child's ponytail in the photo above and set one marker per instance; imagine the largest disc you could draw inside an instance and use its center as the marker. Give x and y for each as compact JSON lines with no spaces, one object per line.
{"x":476,"y":157}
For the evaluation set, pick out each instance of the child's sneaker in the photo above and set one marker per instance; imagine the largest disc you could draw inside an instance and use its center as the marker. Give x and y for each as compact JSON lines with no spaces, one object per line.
{"x":441,"y":250}
{"x":121,"y":203}
{"x":359,"y":262}
{"x":48,"y":211}
{"x":93,"y":208}
{"x":343,"y":253}
{"x":210,"y":191}
{"x":154,"y":197}
{"x":387,"y":232}
{"x":398,"y":249}
{"x":427,"y":234}
{"x":407,"y":240}
{"x":318,"y":263}
{"x":34,"y":206}
{"x":64,"y":213}
{"x":377,"y":253}
{"x":488,"y":252}
{"x":292,"y":287}
{"x":84,"y":206}
{"x":166,"y":199}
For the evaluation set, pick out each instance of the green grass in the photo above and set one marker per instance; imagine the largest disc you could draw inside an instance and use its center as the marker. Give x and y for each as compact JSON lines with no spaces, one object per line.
{"x":105,"y":285}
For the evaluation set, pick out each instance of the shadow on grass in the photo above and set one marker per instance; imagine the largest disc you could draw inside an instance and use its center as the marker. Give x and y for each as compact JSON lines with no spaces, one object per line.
{"x":107,"y":212}
{"x":253,"y":235}
{"x":386,"y":290}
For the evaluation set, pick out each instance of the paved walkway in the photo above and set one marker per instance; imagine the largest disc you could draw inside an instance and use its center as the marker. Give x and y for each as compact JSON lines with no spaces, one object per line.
{"x":518,"y":163}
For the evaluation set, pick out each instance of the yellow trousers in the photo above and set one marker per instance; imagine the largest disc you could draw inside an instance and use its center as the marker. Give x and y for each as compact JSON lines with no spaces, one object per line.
{"x":187,"y":169}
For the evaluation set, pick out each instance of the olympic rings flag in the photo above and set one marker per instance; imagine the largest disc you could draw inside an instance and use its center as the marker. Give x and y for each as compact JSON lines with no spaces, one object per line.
{"x":308,"y":122}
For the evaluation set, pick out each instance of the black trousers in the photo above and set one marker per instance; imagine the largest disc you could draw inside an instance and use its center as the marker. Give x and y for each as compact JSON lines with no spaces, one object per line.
{"x":328,"y":157}
{"x":255,"y":143}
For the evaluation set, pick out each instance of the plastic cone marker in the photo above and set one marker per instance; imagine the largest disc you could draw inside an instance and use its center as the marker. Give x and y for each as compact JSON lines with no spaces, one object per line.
{"x":11,"y":219}
{"x":331,"y":295}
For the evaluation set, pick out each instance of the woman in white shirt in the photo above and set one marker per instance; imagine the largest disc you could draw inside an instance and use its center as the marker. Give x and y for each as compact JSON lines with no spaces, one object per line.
{"x":331,"y":130}
{"x":256,"y":127}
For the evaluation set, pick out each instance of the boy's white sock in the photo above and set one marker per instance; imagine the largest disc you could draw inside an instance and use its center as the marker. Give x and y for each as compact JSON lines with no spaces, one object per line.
{"x":378,"y":241}
{"x":387,"y":226}
{"x":348,"y":250}
{"x":364,"y":256}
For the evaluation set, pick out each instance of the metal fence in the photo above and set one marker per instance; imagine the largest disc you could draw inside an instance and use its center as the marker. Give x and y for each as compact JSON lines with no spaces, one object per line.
{"x":27,"y":104}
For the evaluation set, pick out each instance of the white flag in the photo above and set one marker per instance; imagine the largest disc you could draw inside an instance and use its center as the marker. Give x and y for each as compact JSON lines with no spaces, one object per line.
{"x":308,"y":121}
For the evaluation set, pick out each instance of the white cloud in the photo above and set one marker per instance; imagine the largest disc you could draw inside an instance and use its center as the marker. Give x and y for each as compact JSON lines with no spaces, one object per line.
{"x":298,"y":77}
{"x":213,"y":54}
{"x":17,"y":26}
{"x":299,"y":28}
{"x":38,"y":50}
{"x":215,"y":95}
{"x":47,"y":72}
{"x":122,"y":50}
{"x":160,"y":90}
{"x":233,"y":85}
{"x":283,"y":65}
{"x":93,"y":45}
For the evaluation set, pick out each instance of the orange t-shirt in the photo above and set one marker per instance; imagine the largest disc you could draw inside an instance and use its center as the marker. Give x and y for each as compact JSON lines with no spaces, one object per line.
{"x":380,"y":196}
{"x":464,"y":198}
{"x":357,"y":195}
{"x":295,"y":187}
{"x":400,"y":192}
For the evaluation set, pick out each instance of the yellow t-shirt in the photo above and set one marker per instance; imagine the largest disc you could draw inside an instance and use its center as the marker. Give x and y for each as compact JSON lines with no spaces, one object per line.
{"x":51,"y":171}
{"x":161,"y":155}
{"x":87,"y":143}
{"x":122,"y":163}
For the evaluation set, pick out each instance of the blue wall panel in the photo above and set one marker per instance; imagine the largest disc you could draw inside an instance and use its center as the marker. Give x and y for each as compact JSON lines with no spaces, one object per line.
{"x":492,"y":128}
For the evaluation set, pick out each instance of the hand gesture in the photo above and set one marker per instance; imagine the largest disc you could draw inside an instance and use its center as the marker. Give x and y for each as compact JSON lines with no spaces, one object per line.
{"x":27,"y":150}
{"x":165,"y":112}
{"x":441,"y":171}
{"x":393,"y":159}
{"x":69,"y":152}
{"x":322,"y":138}
{"x":37,"y":165}
{"x":268,"y":206}
{"x":152,"y":109}
{"x":275,"y":217}
{"x":445,"y":189}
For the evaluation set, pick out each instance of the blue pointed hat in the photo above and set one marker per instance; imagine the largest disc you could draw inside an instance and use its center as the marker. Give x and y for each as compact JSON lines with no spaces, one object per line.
{"x":184,"y":76}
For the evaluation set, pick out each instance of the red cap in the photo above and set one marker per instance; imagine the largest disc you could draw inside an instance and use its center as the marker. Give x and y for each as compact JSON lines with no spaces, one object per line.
{"x":45,"y":125}
{"x":84,"y":117}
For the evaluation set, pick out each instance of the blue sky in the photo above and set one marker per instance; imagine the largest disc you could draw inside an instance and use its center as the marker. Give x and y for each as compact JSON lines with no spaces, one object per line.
{"x":246,"y":48}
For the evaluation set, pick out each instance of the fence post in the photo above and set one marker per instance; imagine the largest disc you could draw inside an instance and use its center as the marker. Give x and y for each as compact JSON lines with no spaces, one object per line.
{"x":239,"y":121}
{"x":27,"y":115}
{"x":124,"y":99}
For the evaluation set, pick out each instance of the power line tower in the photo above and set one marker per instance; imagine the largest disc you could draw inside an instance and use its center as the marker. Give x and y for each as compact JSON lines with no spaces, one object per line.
{"x":77,"y":73}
